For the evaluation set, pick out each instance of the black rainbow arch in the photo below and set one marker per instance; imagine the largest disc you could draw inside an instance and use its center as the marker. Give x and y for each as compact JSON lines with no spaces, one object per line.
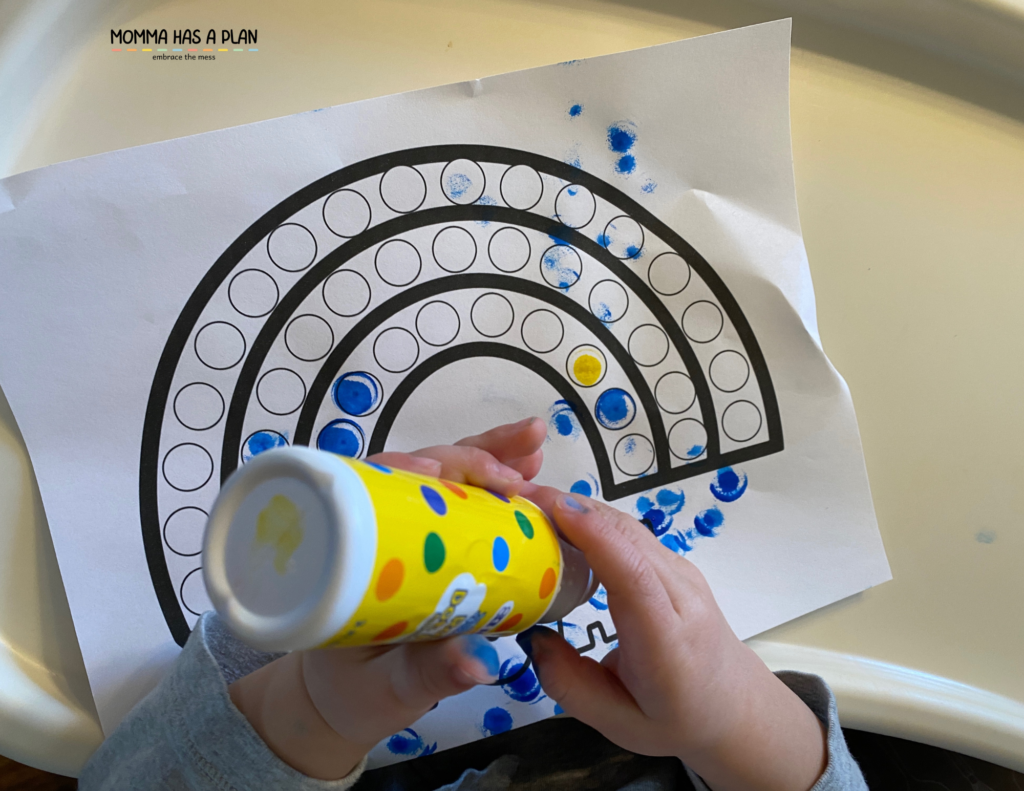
{"x":236,"y":383}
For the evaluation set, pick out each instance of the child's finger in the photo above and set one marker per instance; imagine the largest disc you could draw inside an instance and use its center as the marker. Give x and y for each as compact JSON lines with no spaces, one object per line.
{"x":407,"y":462}
{"x":527,"y":466}
{"x":512,"y":441}
{"x":474,"y":466}
{"x":582,"y":687}
{"x":421,"y":674}
{"x":628,"y":572}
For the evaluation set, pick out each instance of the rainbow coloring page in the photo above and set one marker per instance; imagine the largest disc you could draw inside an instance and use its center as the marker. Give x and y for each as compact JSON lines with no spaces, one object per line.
{"x":612,"y":245}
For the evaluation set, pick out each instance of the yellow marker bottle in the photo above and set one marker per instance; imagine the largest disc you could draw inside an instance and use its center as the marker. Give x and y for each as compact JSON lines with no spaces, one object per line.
{"x":305,"y":549}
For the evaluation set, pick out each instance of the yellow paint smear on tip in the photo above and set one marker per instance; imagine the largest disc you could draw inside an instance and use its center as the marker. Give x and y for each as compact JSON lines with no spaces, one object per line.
{"x":586,"y":369}
{"x":280,"y":525}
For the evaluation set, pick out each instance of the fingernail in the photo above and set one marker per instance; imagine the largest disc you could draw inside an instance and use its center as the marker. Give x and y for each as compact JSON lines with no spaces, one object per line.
{"x":565,"y":501}
{"x":524,"y":422}
{"x":427,"y":466}
{"x":508,"y":474}
{"x":525,"y":639}
{"x":480,"y":649}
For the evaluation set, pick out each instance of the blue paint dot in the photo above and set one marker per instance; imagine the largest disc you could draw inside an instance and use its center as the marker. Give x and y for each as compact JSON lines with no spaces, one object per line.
{"x":434,"y":500}
{"x":626,"y":164}
{"x":649,"y":186}
{"x":559,"y":709}
{"x":706,"y":522}
{"x":695,"y":451}
{"x":728,"y":485}
{"x":576,"y":111}
{"x":564,"y":420}
{"x":379,"y":467}
{"x":526,"y":688}
{"x":581,"y":487}
{"x":599,"y":601}
{"x":985,"y":537}
{"x":620,"y":138}
{"x":342,"y":437}
{"x":632,"y":251}
{"x":671,"y":502}
{"x":604,"y":239}
{"x":676,"y":542}
{"x":261,"y":441}
{"x":501,"y":497}
{"x":615,"y":408}
{"x":497,"y":720}
{"x":500,"y":554}
{"x":459,"y":184}
{"x":356,"y":393}
{"x":408,"y":742}
{"x":485,"y":200}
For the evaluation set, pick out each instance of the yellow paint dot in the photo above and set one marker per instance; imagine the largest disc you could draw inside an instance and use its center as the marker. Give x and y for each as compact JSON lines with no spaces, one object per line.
{"x":586,"y":369}
{"x":279,"y":525}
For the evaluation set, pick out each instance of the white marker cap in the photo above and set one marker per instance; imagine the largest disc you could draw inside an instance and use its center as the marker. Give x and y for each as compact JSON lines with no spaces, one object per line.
{"x":289,"y":548}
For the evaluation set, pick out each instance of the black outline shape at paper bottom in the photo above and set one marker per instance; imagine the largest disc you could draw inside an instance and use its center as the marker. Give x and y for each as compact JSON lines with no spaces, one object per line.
{"x":760,"y":420}
{"x":501,"y":187}
{"x":458,"y":322}
{"x":704,"y":448}
{"x":711,"y":376}
{"x":181,"y":591}
{"x":291,"y":351}
{"x":380,"y":188}
{"x":290,"y":411}
{"x":650,"y":280}
{"x":167,"y":521}
{"x":668,"y":346}
{"x":511,"y":307}
{"x":615,"y":460}
{"x":529,"y":249}
{"x":433,"y":248}
{"x":369,"y":212}
{"x":590,"y":300}
{"x":721,"y":318}
{"x":661,"y":406}
{"x":419,"y":262}
{"x":384,"y":332}
{"x":277,"y":292}
{"x":163,"y":466}
{"x":323,"y":293}
{"x":316,"y":249}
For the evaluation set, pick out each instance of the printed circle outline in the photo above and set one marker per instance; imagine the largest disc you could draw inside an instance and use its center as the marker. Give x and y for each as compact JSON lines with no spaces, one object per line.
{"x":668,"y":345}
{"x":510,"y":307}
{"x":167,"y":521}
{"x":380,"y":189}
{"x":433,"y":248}
{"x":323,"y":292}
{"x":760,"y":420}
{"x":590,"y":297}
{"x":668,"y":435}
{"x":174,"y":406}
{"x":712,"y":377}
{"x":277,"y":292}
{"x":316,"y":248}
{"x":330,"y":329}
{"x":529,"y":249}
{"x":558,"y":214}
{"x":662,"y":406}
{"x":297,"y":376}
{"x":458,"y":322}
{"x":604,"y":365}
{"x":561,"y":328}
{"x":163,"y":467}
{"x":689,"y":274}
{"x":721,"y":317}
{"x":346,"y":422}
{"x":181,"y":591}
{"x":381,"y":335}
{"x":640,"y":247}
{"x":241,"y":450}
{"x":419,"y":262}
{"x":195,"y":345}
{"x":501,"y":187}
{"x":615,"y":460}
{"x":376,"y":381}
{"x":440,"y":181}
{"x":369,"y":212}
{"x":579,"y":258}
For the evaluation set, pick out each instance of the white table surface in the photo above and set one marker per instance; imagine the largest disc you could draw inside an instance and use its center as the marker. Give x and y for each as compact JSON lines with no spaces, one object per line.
{"x":910,"y":180}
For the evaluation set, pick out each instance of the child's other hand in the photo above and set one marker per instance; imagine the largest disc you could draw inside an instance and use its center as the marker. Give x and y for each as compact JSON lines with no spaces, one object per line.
{"x":680,"y":683}
{"x":321,"y":711}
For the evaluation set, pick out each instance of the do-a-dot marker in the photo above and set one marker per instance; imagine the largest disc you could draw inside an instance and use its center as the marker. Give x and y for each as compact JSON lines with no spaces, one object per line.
{"x":524,"y":524}
{"x":433,"y":552}
{"x":500,"y":553}
{"x":434,"y":500}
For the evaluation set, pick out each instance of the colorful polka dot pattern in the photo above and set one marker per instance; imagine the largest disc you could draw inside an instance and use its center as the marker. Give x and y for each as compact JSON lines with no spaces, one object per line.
{"x":450,"y":553}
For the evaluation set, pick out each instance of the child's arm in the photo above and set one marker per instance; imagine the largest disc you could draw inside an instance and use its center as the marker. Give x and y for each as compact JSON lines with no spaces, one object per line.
{"x":680,"y":683}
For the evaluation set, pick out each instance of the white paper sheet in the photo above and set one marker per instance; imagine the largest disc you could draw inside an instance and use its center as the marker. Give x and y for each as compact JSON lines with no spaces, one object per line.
{"x":448,"y":256}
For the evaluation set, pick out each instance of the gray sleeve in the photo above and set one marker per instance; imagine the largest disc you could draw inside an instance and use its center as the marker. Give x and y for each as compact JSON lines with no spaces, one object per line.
{"x":188,"y":735}
{"x":842,"y":772}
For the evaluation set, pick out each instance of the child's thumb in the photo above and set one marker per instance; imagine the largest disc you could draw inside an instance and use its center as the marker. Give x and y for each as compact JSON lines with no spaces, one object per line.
{"x":583,"y":688}
{"x":421,"y":674}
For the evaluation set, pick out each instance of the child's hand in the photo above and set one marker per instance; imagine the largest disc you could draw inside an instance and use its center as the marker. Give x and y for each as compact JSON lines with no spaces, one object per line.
{"x":322,"y":711}
{"x":680,"y":683}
